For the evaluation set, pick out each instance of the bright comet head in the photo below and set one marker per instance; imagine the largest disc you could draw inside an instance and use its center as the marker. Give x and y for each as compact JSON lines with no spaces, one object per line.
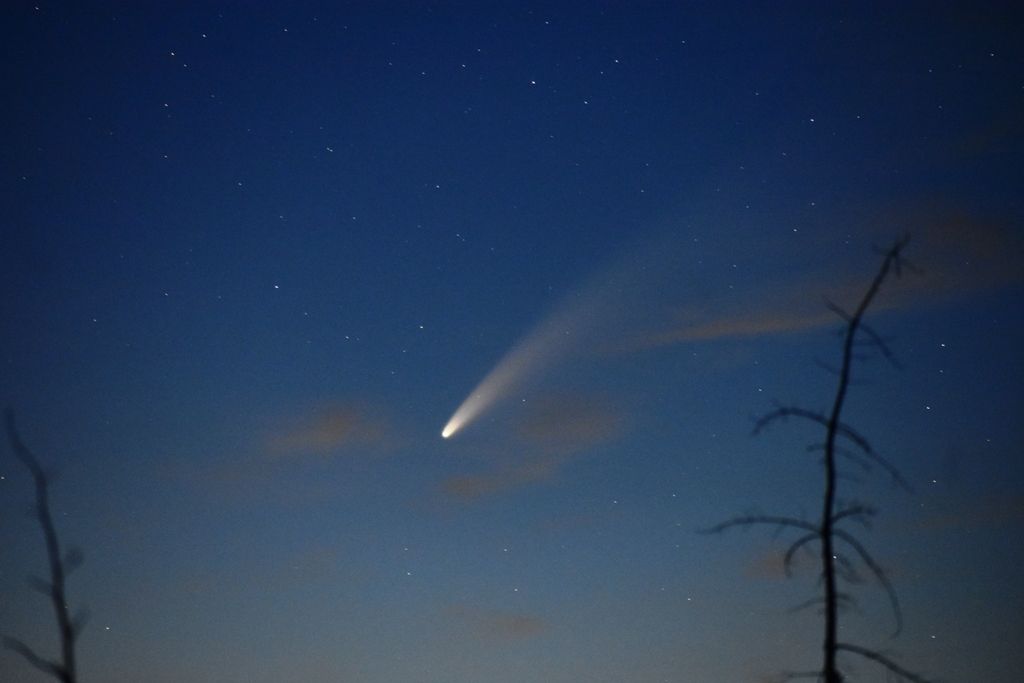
{"x":457,"y":422}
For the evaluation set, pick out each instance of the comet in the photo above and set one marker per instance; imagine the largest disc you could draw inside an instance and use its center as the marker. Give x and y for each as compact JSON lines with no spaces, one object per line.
{"x":545,"y":344}
{"x":570,"y":322}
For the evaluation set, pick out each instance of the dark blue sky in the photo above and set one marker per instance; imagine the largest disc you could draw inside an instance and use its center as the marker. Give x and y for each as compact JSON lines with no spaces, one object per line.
{"x":255,"y":255}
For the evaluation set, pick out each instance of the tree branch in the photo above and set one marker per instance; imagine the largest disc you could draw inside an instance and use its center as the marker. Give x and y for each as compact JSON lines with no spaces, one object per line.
{"x":861,"y":513}
{"x":760,"y":519}
{"x":878,"y":572}
{"x":60,"y":566}
{"x":847,"y":570}
{"x":884,"y":661}
{"x":874,"y":338}
{"x":843,"y":599}
{"x":787,"y":560}
{"x":853,"y":456}
{"x":836,"y":565}
{"x":32,"y":658}
{"x":841,"y":429}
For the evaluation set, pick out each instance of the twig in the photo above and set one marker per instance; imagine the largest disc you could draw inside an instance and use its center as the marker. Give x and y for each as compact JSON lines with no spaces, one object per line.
{"x":841,"y":429}
{"x":60,"y":566}
{"x":884,"y":661}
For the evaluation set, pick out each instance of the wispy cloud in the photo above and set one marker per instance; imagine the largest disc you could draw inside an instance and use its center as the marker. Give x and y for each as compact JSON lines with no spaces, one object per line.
{"x":469,"y":487}
{"x":752,"y":324}
{"x":569,"y":422}
{"x":769,"y":563}
{"x":328,"y":431}
{"x":957,"y":254}
{"x":986,"y":511}
{"x":287,"y":462}
{"x":497,"y":625}
{"x":766,"y":564}
{"x":548,"y":435}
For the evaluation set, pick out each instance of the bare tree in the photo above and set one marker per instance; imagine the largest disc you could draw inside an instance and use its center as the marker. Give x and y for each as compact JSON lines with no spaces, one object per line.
{"x":61,"y":565}
{"x":830,"y":532}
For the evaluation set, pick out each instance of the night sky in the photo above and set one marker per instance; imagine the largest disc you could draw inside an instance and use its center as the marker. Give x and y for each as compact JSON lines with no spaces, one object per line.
{"x":255,"y":255}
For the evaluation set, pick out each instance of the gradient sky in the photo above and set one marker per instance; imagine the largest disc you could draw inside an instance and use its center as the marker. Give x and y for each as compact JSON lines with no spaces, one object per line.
{"x":255,"y":255}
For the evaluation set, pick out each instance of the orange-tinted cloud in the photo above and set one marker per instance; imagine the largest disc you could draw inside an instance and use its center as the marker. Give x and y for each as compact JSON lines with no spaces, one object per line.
{"x":769,"y":562}
{"x":550,"y":433}
{"x":754,"y":324}
{"x":955,"y":253}
{"x":332,"y":430}
{"x":468,"y":487}
{"x":497,"y":625}
{"x":981,"y":512}
{"x":569,"y":423}
{"x":287,"y":462}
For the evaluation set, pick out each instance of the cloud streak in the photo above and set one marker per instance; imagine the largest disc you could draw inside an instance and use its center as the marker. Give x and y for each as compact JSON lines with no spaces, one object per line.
{"x":985,"y":511}
{"x":958,"y":254}
{"x":552,"y":432}
{"x":498,"y":625}
{"x":333,"y":430}
{"x":293,"y":461}
{"x":770,"y":563}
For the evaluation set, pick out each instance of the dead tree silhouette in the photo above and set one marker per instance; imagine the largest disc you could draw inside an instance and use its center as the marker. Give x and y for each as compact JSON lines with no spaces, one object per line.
{"x":61,"y":565}
{"x":829,"y":532}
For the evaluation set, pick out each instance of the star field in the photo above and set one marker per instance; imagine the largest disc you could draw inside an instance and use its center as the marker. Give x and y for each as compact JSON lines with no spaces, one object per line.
{"x":256,"y":255}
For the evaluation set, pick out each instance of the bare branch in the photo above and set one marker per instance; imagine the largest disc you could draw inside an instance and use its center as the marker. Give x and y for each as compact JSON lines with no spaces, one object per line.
{"x":820,"y":600}
{"x":878,"y":572}
{"x":860,"y":513}
{"x":853,"y":456}
{"x":32,"y":658}
{"x":783,"y":412}
{"x":55,"y":588}
{"x":838,"y":311}
{"x":874,"y":339}
{"x":844,"y":430}
{"x":79,"y":621}
{"x":843,"y":599}
{"x":21,"y":452}
{"x":879,"y":343}
{"x":884,"y":661}
{"x":787,"y":560}
{"x":836,"y":565}
{"x":760,"y":519}
{"x":846,"y":569}
{"x":895,"y":253}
